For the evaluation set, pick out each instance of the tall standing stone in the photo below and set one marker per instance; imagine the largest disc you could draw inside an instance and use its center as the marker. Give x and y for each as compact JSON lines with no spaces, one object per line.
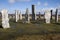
{"x":20,"y":15}
{"x":39,"y":15}
{"x":56,"y":16}
{"x":5,"y":19}
{"x":47,"y":16}
{"x":51,"y":14}
{"x":17,"y":15}
{"x":33,"y":13}
{"x":27,"y":16}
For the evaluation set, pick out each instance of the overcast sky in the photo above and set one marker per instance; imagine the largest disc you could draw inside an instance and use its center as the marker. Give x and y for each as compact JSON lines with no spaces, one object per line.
{"x":11,"y":5}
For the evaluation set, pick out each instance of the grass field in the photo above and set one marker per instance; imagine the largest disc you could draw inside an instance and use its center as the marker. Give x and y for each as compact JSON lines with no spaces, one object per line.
{"x":32,"y":31}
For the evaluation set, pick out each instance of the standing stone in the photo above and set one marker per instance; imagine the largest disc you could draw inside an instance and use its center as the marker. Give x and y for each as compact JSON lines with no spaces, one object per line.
{"x":17,"y":15}
{"x":27,"y":16}
{"x":5,"y":19}
{"x":51,"y":13}
{"x":56,"y":16}
{"x":20,"y":15}
{"x":47,"y":16}
{"x":33,"y":13}
{"x":39,"y":15}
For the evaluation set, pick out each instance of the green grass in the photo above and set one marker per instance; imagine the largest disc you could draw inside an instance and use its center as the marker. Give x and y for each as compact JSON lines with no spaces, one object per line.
{"x":23,"y":31}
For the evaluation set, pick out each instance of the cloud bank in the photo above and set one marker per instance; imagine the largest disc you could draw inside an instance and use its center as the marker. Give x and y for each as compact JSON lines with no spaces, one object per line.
{"x":13,"y":1}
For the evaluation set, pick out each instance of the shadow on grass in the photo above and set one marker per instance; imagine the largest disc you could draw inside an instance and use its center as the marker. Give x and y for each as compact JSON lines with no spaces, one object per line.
{"x":57,"y":23}
{"x":1,"y":26}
